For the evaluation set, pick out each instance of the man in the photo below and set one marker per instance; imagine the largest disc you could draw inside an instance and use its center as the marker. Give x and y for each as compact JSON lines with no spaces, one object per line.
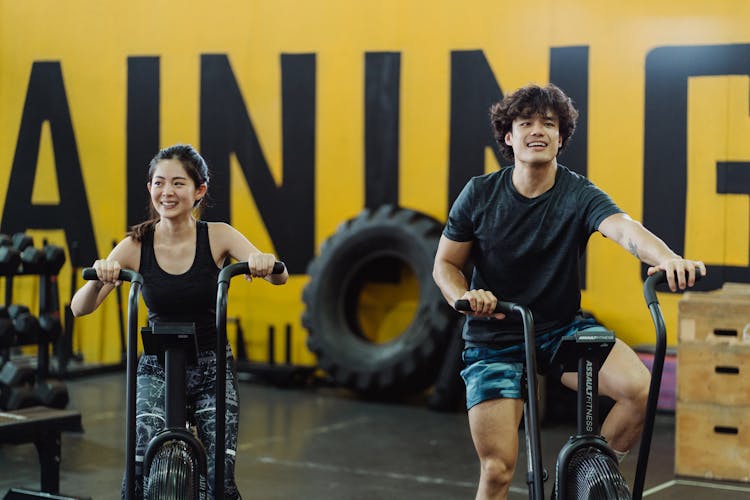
{"x":525,"y":228}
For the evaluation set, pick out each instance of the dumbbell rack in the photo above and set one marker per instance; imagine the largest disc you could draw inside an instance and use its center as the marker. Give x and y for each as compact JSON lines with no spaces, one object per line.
{"x":25,"y":386}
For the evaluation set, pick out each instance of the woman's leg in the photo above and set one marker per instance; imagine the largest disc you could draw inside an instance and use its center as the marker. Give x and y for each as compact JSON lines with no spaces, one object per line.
{"x":149,"y":412}
{"x":201,"y":387}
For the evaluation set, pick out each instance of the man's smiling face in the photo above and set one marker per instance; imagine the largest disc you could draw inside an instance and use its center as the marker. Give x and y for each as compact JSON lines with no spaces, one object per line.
{"x":535,"y":139}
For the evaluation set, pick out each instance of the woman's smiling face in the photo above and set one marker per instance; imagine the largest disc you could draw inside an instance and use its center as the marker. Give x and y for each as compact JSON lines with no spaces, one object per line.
{"x":173,"y":192}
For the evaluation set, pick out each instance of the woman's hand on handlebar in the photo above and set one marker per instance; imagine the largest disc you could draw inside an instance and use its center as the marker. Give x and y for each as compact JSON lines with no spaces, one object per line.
{"x":108,"y":271}
{"x":88,"y":298}
{"x":260,"y":265}
{"x":483,"y":304}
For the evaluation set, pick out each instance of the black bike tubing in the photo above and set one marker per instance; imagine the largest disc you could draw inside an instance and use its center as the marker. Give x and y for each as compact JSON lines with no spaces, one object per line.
{"x":532,"y":429}
{"x":136,"y":282}
{"x":221,"y":383}
{"x":649,"y":292}
{"x":652,"y":301}
{"x":225,"y":275}
{"x":527,"y":446}
{"x":120,"y":320}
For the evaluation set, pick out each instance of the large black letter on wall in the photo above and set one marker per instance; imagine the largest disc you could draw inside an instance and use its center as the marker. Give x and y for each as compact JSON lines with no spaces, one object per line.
{"x":473,"y":89}
{"x":569,"y":70}
{"x":288,"y":210}
{"x":665,"y":143}
{"x":143,"y":132}
{"x":46,"y":101}
{"x":382,"y":78}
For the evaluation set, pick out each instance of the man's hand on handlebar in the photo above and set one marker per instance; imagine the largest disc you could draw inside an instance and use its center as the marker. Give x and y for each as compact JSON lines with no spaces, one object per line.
{"x":483,"y":304}
{"x":680,"y":272}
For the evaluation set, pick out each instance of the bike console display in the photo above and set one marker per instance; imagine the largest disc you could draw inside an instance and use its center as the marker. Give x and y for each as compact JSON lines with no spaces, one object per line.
{"x":160,"y":337}
{"x":593,"y":344}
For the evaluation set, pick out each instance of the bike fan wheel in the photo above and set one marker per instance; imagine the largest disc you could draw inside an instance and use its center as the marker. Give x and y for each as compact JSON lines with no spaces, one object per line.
{"x":173,"y":474}
{"x":593,"y":475}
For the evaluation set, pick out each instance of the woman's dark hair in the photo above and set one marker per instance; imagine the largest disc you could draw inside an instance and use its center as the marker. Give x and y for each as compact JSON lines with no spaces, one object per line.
{"x":532,"y":100}
{"x":194,"y":165}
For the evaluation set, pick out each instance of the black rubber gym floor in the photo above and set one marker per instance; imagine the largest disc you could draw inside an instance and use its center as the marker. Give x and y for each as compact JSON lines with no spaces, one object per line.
{"x":324,"y":444}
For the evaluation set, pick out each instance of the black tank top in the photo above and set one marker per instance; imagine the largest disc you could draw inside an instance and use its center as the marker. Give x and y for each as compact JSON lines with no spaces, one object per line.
{"x":189,"y":297}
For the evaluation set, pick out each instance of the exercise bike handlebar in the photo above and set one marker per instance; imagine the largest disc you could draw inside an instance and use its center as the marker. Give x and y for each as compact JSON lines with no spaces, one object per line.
{"x":652,"y":301}
{"x":501,"y":307}
{"x":238,"y":268}
{"x":136,"y":281}
{"x":225,"y":275}
{"x":531,"y":396}
{"x":649,"y":287}
{"x":89,"y":274}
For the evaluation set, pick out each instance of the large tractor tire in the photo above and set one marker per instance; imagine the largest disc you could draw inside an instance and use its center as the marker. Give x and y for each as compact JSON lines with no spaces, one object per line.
{"x":377,"y":322}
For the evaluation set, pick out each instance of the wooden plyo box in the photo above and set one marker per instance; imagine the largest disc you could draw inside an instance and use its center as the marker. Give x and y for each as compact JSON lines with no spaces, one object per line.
{"x":714,"y":373}
{"x":720,"y":316}
{"x":712,"y":438}
{"x":712,"y":441}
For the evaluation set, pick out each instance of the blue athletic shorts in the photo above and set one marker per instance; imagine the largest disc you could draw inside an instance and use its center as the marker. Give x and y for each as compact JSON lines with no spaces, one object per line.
{"x":497,"y":373}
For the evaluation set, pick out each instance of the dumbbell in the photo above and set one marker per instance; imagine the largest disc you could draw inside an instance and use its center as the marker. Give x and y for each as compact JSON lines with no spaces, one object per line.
{"x":18,"y":390}
{"x":16,"y":387}
{"x":14,"y":374}
{"x":15,"y":398}
{"x":50,"y":327}
{"x":21,"y":240}
{"x":10,"y":259}
{"x":32,"y":261}
{"x":24,"y":323}
{"x":52,"y":393}
{"x":7,"y":332}
{"x":54,"y":259}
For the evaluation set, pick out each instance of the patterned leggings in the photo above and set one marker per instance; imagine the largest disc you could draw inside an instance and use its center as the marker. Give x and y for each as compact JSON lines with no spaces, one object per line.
{"x":200,"y":380}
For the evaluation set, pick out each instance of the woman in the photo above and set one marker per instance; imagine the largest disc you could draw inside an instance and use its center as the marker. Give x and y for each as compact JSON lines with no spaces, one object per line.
{"x":179,"y":258}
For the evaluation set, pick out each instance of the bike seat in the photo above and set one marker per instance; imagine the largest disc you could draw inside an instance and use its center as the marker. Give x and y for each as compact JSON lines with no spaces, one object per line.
{"x":593,"y":343}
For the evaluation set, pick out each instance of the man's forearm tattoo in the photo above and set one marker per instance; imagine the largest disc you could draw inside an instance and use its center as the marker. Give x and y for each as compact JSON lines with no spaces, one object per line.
{"x":633,"y":248}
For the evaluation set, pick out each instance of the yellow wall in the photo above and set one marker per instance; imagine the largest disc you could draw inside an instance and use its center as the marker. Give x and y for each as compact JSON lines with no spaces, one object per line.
{"x":93,"y":39}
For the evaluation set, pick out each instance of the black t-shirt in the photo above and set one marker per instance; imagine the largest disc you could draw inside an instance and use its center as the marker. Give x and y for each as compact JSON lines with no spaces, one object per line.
{"x":526,"y":250}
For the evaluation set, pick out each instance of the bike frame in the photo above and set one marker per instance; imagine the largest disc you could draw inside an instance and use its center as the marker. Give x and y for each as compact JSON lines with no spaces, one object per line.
{"x":136,"y":282}
{"x":178,"y":344}
{"x":222,"y":294}
{"x":533,"y":441}
{"x":587,"y":363}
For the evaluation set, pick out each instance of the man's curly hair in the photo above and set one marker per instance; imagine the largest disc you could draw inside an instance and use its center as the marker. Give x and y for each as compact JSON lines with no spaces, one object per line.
{"x":532,"y":100}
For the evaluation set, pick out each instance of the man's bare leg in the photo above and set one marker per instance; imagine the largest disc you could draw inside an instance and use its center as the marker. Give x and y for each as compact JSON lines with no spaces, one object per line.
{"x":494,"y":429}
